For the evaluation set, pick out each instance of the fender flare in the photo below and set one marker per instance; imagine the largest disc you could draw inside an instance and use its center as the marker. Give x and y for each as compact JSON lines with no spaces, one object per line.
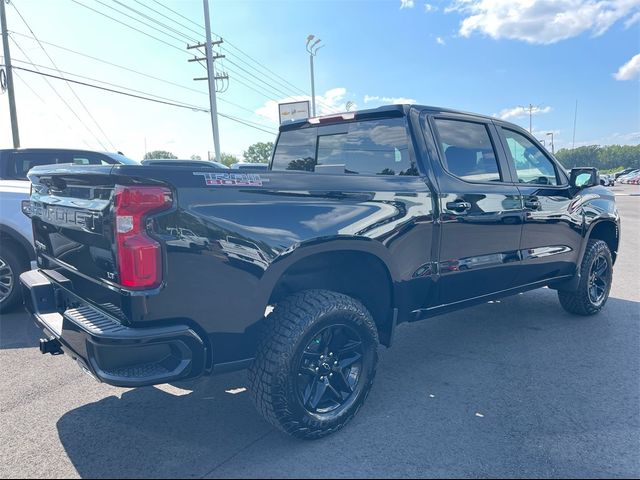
{"x":304,"y":250}
{"x":20,"y":240}
{"x":572,"y":284}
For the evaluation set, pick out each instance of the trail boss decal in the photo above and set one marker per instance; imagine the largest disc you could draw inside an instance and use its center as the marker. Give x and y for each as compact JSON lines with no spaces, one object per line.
{"x":231,"y":179}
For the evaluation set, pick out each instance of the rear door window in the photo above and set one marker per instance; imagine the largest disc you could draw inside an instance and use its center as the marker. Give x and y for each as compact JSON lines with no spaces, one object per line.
{"x":468,"y":151}
{"x":371,"y":147}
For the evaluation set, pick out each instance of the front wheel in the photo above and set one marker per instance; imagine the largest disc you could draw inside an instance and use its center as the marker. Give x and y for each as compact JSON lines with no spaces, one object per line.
{"x":316,"y":363}
{"x":596,"y":275}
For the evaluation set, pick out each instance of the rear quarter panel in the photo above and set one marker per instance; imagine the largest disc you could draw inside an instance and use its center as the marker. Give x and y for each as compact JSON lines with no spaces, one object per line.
{"x":226,"y":246}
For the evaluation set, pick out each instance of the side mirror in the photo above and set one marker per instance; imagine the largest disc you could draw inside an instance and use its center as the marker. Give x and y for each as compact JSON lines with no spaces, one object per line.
{"x":584,"y":177}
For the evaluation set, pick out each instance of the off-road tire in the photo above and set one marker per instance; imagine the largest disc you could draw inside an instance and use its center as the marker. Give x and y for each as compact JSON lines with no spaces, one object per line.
{"x":579,"y":301}
{"x":294,"y":322}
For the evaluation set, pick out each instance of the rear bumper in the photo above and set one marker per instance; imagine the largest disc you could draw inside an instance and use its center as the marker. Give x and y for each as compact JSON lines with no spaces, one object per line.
{"x":107,"y":349}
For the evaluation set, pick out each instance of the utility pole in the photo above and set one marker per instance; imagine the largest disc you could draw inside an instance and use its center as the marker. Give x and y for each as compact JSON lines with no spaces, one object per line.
{"x":531,"y":109}
{"x":313,"y":48}
{"x":211,"y":77}
{"x":10,"y":87}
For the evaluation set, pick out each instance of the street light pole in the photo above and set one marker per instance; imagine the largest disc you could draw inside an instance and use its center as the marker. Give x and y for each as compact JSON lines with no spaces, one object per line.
{"x":312,"y":48}
{"x":552,"y":146}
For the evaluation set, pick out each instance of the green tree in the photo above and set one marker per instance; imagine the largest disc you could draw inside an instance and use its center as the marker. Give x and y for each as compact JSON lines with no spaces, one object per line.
{"x":196,"y":157}
{"x":602,"y":157}
{"x":228,"y":159}
{"x":258,"y":152}
{"x":159,"y":154}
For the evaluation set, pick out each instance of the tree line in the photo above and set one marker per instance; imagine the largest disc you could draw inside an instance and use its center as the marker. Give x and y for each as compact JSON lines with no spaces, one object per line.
{"x":603,"y":157}
{"x":257,"y":153}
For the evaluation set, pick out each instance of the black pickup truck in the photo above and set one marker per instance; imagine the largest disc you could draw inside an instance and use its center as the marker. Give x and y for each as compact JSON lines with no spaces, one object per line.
{"x":154,"y":274}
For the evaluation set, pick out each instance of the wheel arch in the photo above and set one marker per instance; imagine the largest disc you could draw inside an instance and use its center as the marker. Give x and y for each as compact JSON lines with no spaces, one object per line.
{"x":609,"y":232}
{"x":354,"y":270}
{"x":26,"y":251}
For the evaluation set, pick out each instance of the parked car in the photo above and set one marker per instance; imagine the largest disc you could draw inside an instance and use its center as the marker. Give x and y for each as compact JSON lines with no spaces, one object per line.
{"x":634,"y":179}
{"x":623,"y":172}
{"x":607,"y":180}
{"x":16,"y":244}
{"x":363,"y":221}
{"x":249,"y":166}
{"x":629,"y":176}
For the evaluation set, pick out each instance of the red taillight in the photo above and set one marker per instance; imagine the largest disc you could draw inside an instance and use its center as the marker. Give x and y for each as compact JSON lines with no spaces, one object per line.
{"x":139,"y":256}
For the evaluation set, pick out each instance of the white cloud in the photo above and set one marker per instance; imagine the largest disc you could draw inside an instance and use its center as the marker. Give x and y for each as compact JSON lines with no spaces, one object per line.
{"x":406,"y":4}
{"x":440,"y":41}
{"x":635,"y":18}
{"x":331,"y":102}
{"x":630,"y":70}
{"x":519,"y":112}
{"x":393,"y":100}
{"x":430,"y":8}
{"x":541,"y":21}
{"x":630,"y":138}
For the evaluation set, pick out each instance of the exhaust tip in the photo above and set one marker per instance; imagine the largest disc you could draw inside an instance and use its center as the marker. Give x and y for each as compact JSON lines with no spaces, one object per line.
{"x":51,"y":346}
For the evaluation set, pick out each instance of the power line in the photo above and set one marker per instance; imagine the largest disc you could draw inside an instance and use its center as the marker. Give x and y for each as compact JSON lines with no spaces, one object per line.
{"x":154,"y":20}
{"x":108,"y":83}
{"x":128,"y":69}
{"x":280,"y":92}
{"x":168,"y":18}
{"x":137,"y":20}
{"x":181,"y":105}
{"x":37,"y":95}
{"x":106,"y":62}
{"x":129,"y":26}
{"x":179,"y":14}
{"x":55,"y":90}
{"x":282,"y":82}
{"x":142,"y":97}
{"x":70,"y":87}
{"x":235,"y":119}
{"x":173,"y":46}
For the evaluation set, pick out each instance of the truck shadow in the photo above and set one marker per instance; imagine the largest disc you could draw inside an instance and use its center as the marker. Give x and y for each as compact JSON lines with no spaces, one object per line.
{"x":151,"y":433}
{"x":509,"y":388}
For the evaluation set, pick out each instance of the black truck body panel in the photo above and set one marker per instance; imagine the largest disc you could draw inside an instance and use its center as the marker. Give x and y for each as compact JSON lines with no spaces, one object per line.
{"x":234,"y":243}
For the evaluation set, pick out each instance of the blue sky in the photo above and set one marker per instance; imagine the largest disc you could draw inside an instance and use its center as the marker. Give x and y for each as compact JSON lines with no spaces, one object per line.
{"x":483,"y":56}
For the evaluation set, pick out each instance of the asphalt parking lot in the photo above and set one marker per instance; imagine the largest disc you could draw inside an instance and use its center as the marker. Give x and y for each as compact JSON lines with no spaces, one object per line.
{"x":513,"y":388}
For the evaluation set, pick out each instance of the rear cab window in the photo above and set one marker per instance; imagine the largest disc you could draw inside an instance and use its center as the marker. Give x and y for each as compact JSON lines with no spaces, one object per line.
{"x":367,"y":147}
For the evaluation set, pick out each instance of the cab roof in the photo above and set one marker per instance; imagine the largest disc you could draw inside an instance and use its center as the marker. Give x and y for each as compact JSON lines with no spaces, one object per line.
{"x":384,"y":111}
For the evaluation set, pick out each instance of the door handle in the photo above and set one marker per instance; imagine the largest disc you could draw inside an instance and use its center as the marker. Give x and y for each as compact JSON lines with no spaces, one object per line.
{"x":533,"y":204}
{"x":458,"y":206}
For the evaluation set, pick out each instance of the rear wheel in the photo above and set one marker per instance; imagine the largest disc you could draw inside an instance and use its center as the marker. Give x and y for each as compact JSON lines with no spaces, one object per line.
{"x":10,"y":269}
{"x":316,"y":363}
{"x":596,"y":274}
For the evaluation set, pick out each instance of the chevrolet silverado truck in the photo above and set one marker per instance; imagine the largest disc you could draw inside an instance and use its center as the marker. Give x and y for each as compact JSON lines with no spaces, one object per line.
{"x":363,"y":221}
